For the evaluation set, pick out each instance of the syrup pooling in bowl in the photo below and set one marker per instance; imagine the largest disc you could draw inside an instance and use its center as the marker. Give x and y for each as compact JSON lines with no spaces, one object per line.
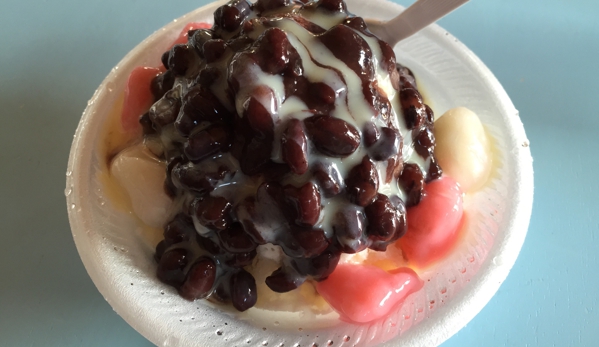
{"x":269,"y":141}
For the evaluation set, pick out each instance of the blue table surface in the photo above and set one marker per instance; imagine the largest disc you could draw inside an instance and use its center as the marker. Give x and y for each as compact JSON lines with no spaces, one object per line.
{"x":53,"y":54}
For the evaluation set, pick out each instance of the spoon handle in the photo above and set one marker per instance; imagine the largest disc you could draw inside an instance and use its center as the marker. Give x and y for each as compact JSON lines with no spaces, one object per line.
{"x":414,"y":18}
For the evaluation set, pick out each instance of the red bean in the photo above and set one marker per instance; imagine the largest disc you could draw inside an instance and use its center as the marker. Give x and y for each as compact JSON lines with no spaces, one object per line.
{"x":202,"y":144}
{"x":198,"y":39}
{"x":207,"y":244}
{"x":332,"y":136}
{"x":412,"y":181}
{"x":281,"y":282}
{"x":276,"y":50}
{"x":430,"y":117}
{"x":389,"y":145}
{"x":412,"y":107}
{"x":200,"y":179}
{"x":247,"y":215}
{"x":242,"y":43}
{"x":212,"y":212}
{"x":165,"y":110}
{"x":332,"y":5}
{"x":318,"y":267}
{"x":146,"y":124}
{"x":324,"y":264}
{"x":349,"y":226}
{"x":322,"y":93}
{"x":213,"y":50}
{"x":180,"y":58}
{"x":434,"y":170}
{"x":171,"y":266}
{"x":231,"y":16}
{"x":169,"y":186}
{"x":162,"y":84}
{"x":239,"y":260}
{"x":222,"y":293}
{"x":362,"y":183}
{"x":406,"y":77}
{"x":199,"y":105}
{"x":424,"y":142}
{"x":394,"y":168}
{"x":243,"y":290}
{"x":179,"y":229}
{"x":200,"y":279}
{"x":350,"y":47}
{"x":160,"y":249}
{"x":356,"y":23}
{"x":208,"y":76}
{"x":389,"y":63}
{"x":294,"y":146}
{"x":235,"y":240}
{"x":305,"y":202}
{"x":259,"y":142}
{"x":311,"y":241}
{"x":329,"y":178}
{"x":371,"y":134}
{"x":384,"y":220}
{"x":267,"y":5}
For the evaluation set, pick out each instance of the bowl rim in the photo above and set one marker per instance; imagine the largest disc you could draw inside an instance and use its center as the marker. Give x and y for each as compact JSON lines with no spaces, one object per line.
{"x":453,"y":315}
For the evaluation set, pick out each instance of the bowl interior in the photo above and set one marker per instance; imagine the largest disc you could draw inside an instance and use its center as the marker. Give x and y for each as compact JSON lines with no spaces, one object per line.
{"x":118,"y":255}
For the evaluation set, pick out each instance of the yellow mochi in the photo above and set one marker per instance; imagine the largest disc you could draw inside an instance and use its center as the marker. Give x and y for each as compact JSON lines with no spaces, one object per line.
{"x":462,"y":148}
{"x":142,"y":177}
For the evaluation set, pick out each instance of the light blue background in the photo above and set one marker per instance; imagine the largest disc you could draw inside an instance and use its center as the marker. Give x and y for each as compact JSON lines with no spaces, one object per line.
{"x":53,"y":54}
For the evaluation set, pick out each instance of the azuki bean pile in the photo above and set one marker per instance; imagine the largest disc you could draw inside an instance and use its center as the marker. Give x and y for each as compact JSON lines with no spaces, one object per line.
{"x":246,"y":167}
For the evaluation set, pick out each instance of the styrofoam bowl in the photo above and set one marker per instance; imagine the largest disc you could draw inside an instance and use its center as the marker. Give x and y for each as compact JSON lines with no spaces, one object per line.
{"x":119,"y":259}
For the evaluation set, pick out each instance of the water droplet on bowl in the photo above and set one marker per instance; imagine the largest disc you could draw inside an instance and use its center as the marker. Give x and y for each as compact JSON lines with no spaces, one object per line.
{"x":68,"y":191}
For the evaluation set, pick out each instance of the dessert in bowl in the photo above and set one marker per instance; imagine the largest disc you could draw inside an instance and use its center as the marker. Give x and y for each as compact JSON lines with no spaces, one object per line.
{"x":118,"y":249}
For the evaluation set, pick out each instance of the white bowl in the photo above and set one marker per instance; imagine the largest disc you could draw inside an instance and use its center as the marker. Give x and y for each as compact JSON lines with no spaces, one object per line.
{"x":119,"y":260}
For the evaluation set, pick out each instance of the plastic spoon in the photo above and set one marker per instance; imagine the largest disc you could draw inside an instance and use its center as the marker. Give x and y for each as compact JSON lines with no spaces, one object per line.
{"x":412,"y":20}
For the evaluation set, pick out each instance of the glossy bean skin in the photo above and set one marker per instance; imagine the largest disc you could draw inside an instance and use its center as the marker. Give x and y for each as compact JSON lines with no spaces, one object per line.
{"x":294,"y":145}
{"x":200,"y":280}
{"x":332,"y":136}
{"x":363,"y":182}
